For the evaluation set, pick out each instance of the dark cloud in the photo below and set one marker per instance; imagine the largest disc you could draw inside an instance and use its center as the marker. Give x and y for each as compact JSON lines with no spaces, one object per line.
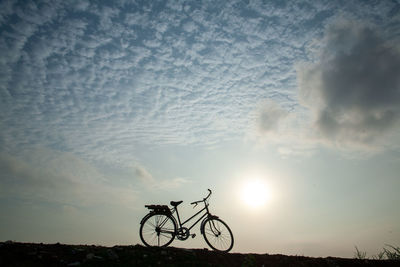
{"x":354,"y":88}
{"x":270,"y":116}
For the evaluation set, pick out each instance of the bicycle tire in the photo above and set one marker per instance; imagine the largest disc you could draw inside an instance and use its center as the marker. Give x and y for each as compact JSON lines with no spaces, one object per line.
{"x":217,"y":234}
{"x":157,"y":230}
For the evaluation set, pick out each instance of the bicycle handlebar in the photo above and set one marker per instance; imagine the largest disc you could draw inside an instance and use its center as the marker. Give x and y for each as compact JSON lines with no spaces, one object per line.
{"x":204,"y":199}
{"x":209,"y":194}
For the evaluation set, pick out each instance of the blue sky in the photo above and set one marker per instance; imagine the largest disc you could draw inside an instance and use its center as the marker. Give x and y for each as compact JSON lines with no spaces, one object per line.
{"x":110,"y":105}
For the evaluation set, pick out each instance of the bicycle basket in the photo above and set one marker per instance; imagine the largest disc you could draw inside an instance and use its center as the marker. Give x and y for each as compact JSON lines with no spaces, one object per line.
{"x":159,"y":208}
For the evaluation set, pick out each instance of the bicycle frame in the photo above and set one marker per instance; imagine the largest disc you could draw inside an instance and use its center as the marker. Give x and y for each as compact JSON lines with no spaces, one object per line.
{"x":205,"y":215}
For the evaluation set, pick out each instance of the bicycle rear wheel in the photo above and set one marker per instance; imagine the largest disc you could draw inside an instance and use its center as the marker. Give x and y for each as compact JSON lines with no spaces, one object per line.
{"x":157,"y":230}
{"x":217,"y":234}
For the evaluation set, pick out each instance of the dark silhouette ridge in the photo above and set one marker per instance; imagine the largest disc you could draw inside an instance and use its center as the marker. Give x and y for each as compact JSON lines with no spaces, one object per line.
{"x":160,"y":227}
{"x":28,"y":254}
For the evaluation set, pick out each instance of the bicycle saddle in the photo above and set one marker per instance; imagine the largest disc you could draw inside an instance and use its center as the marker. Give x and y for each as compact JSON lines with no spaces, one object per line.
{"x":175,"y":203}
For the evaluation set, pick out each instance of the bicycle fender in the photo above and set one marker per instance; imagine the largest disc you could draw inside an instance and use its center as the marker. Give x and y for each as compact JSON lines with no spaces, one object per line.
{"x":145,"y":217}
{"x":148,"y":215}
{"x":204,"y":221}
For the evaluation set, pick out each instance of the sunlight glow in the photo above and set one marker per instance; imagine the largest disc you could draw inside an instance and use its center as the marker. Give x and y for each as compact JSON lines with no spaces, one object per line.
{"x":255,"y":193}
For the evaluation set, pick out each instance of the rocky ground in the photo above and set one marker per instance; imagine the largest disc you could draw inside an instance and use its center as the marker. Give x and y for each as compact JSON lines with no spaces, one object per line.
{"x":28,"y":254}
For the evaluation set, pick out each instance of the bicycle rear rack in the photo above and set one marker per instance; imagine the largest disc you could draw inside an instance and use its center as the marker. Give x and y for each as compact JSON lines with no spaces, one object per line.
{"x":159,"y":208}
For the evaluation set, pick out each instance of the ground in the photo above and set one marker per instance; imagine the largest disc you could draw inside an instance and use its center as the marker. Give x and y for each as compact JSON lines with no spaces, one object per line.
{"x":33,"y":254}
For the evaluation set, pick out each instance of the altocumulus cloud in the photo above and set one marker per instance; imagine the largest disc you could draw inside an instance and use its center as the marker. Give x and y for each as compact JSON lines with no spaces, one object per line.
{"x":101,"y":80}
{"x":354,"y":87}
{"x":97,"y":79}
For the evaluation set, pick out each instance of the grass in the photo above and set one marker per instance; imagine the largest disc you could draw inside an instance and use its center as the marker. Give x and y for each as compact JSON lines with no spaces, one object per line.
{"x":388,"y":252}
{"x":393,"y":253}
{"x":361,"y":255}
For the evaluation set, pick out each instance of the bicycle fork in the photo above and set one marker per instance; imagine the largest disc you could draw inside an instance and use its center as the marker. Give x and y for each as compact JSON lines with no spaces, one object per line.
{"x":214,"y":229}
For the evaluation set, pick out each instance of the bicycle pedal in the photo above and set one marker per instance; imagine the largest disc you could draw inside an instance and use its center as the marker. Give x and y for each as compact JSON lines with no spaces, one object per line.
{"x":193,"y":235}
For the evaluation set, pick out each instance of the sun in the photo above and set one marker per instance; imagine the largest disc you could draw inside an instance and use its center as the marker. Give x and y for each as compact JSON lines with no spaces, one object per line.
{"x":255,"y":193}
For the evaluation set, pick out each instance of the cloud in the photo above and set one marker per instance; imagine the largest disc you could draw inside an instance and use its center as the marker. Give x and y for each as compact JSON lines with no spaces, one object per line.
{"x":270,"y":116}
{"x":173,"y":183}
{"x":44,"y":175}
{"x":281,"y":126}
{"x":158,"y":184}
{"x":143,"y":175}
{"x":100,"y":80}
{"x":154,"y":76}
{"x":354,"y":87}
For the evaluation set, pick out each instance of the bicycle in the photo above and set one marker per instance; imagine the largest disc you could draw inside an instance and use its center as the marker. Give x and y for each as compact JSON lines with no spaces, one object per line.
{"x":160,"y":227}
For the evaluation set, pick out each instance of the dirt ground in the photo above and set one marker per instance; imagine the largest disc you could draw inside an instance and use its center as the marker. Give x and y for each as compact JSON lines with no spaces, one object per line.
{"x":31,"y":254}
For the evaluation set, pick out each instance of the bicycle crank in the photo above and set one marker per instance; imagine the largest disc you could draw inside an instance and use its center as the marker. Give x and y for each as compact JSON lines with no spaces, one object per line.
{"x":183,"y":233}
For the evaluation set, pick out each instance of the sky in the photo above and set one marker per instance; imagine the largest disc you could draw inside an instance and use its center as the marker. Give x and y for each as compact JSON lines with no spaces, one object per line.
{"x":106,"y":106}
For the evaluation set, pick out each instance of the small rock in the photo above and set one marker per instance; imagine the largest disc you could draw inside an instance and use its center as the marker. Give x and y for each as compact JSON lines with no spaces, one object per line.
{"x":189,"y":250}
{"x":77,"y":263}
{"x":112,"y":255}
{"x":164,"y":252}
{"x":144,"y":255}
{"x":90,"y":256}
{"x":77,"y":250}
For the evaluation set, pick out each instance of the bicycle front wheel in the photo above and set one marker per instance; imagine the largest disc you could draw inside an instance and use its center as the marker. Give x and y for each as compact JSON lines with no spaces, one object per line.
{"x":217,"y":234}
{"x":157,"y":230}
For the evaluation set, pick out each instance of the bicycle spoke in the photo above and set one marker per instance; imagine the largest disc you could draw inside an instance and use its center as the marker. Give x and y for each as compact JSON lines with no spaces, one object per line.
{"x":149,"y":231}
{"x":225,"y":241}
{"x":152,"y":224}
{"x":164,"y":235}
{"x":157,"y":220}
{"x":153,"y":237}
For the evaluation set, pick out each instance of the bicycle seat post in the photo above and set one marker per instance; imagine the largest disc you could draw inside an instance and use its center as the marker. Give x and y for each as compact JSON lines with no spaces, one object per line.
{"x":177,"y":214}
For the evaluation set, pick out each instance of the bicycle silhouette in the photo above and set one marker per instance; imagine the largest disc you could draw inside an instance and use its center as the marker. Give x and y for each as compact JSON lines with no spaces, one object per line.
{"x":159,"y":227}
